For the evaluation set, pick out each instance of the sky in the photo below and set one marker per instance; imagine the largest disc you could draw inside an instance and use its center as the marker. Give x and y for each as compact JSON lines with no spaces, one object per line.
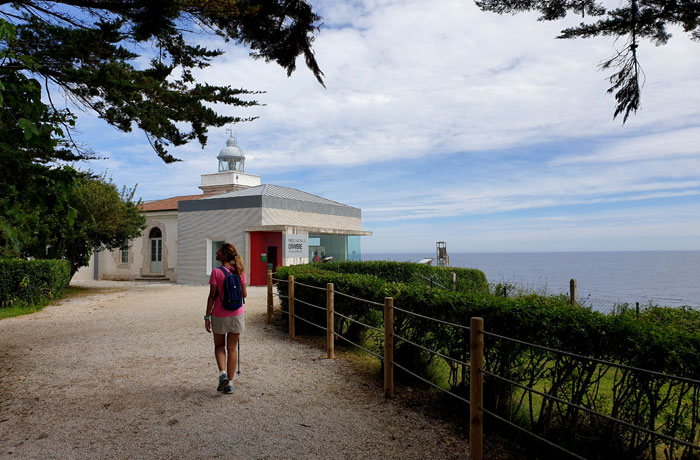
{"x":445,"y":123}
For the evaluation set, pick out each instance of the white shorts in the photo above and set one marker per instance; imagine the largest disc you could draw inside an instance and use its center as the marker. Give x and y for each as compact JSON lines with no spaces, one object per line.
{"x":226,"y":324}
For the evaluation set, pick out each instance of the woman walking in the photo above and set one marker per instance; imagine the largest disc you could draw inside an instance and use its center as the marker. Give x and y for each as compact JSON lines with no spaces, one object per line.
{"x":227,"y":325}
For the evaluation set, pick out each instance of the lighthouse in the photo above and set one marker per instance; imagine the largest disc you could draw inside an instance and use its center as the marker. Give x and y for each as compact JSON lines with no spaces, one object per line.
{"x":231,"y":173}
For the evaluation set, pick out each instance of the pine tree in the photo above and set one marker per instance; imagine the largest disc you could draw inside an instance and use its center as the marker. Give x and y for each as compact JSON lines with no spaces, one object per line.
{"x":92,"y":51}
{"x":86,"y":48}
{"x":634,"y":21}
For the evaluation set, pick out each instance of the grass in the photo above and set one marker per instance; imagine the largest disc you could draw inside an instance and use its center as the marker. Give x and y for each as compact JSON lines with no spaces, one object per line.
{"x":71,"y":292}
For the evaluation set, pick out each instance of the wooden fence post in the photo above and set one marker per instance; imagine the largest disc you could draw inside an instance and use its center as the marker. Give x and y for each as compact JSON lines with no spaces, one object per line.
{"x":476,"y":387}
{"x":454,"y":281}
{"x":389,"y":347}
{"x":573,"y":291}
{"x":330,"y":321}
{"x":291,"y":307}
{"x":269,"y":296}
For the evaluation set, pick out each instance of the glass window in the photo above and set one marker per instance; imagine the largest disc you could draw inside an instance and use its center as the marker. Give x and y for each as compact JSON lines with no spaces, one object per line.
{"x":215,"y":245}
{"x":354,"y":252}
{"x":125,"y":256}
{"x":156,"y":250}
{"x":339,"y":247}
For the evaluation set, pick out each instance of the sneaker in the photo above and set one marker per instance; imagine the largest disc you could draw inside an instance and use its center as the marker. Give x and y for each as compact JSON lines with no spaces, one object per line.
{"x":223,"y":381}
{"x":228,"y":389}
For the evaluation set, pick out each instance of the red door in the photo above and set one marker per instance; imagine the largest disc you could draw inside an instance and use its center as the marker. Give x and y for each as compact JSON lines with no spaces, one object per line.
{"x":262,"y":246}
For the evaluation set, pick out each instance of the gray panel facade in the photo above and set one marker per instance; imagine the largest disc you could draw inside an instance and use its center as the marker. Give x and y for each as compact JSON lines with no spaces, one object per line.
{"x":239,"y":202}
{"x":196,"y":227}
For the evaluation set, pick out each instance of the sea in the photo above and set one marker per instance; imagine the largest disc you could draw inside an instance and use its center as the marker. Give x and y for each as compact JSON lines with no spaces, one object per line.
{"x":604,"y":279}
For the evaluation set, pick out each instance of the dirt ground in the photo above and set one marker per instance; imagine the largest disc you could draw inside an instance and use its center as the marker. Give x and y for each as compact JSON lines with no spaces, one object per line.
{"x":130,"y":373}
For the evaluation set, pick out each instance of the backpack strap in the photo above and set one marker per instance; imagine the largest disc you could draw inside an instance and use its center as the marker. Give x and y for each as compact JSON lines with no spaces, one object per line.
{"x":230,"y":269}
{"x":221,"y":267}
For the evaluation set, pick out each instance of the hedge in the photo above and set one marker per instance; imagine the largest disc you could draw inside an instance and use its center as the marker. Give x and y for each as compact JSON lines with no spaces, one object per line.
{"x":671,"y":347}
{"x":29,"y":282}
{"x":468,"y":279}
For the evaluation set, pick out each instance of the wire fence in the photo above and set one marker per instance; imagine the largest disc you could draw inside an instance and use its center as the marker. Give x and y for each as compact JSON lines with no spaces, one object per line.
{"x":653,"y":376}
{"x":369,"y":302}
{"x":603,"y":300}
{"x":527,"y":377}
{"x":431,"y":281}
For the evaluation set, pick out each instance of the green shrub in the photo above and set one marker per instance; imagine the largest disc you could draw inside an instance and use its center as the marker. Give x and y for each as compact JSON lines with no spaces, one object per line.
{"x":468,"y":279}
{"x":659,"y":339}
{"x":28,"y":282}
{"x":362,"y":286}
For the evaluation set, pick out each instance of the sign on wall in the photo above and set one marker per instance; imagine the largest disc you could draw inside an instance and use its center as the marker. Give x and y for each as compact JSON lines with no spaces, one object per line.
{"x":296,"y":245}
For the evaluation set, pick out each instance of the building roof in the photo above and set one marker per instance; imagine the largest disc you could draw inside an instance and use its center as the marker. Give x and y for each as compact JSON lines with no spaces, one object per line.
{"x":270,"y":197}
{"x":168,"y":204}
{"x":277,"y":191}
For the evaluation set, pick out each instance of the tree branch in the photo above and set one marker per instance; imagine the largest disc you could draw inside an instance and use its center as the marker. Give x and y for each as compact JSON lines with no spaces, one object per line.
{"x":54,"y":14}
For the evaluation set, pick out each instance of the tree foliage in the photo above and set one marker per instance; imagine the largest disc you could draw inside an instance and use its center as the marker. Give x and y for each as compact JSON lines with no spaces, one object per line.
{"x":633,"y":21}
{"x":132,"y":63}
{"x":94,"y":216}
{"x":87,"y":48}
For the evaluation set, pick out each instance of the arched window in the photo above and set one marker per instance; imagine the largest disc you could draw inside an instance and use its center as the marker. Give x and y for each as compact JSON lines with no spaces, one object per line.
{"x":155,"y":233}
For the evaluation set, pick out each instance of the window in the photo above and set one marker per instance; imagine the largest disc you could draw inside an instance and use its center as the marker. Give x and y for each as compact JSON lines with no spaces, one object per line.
{"x":354,"y":252}
{"x":339,"y":247}
{"x":124,"y":253}
{"x":215,"y":245}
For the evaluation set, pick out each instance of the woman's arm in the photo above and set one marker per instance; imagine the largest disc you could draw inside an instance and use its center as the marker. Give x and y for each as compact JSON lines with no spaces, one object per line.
{"x":210,"y":306}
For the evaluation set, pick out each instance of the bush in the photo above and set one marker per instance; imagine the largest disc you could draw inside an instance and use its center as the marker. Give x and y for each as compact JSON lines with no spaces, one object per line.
{"x":468,"y":279}
{"x":362,"y":286}
{"x":29,"y":282}
{"x":659,"y":339}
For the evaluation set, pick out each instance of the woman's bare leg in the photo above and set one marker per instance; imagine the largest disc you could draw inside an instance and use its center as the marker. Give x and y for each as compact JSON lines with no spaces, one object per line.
{"x":231,"y":346}
{"x":220,"y":351}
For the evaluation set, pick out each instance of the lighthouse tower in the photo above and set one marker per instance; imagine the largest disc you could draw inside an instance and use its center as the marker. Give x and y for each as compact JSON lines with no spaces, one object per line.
{"x":231,"y":174}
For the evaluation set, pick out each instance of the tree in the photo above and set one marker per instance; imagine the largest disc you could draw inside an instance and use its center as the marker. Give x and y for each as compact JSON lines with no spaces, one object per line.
{"x":29,"y":140}
{"x":103,"y":218}
{"x":86,"y":48}
{"x":634,"y":20}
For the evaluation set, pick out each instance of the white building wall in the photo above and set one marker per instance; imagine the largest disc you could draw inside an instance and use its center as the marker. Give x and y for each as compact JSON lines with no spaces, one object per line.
{"x":197,"y":229}
{"x":229,"y":178}
{"x":272,"y":216}
{"x":85,"y":273}
{"x":110,"y":266}
{"x":167,"y":222}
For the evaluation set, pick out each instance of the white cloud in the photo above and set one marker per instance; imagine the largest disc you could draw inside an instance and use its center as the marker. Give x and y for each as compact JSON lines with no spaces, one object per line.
{"x":512,"y":119}
{"x":663,"y":145}
{"x":444,"y":78}
{"x":667,"y":228}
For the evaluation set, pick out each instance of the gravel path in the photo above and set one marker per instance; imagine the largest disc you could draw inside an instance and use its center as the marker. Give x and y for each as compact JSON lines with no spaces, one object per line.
{"x":130,"y":373}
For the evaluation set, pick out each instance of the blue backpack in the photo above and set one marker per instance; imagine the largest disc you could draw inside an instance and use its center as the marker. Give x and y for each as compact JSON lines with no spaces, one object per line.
{"x":233,"y":290}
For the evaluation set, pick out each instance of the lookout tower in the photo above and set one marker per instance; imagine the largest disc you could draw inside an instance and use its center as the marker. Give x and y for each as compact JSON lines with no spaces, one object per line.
{"x":443,"y":260}
{"x":231,"y":175}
